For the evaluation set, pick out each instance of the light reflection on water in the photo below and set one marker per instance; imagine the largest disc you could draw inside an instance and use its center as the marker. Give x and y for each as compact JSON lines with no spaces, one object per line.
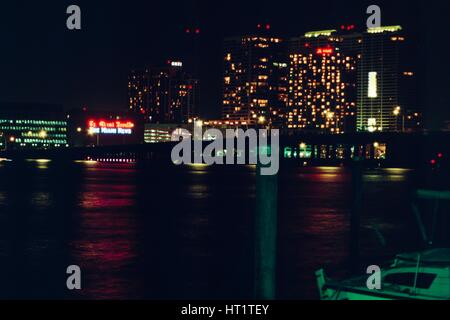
{"x":106,"y":242}
{"x":163,"y":232}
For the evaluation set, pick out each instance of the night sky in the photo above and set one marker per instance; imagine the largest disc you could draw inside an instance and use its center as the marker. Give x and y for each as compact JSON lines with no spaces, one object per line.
{"x":42,"y":61}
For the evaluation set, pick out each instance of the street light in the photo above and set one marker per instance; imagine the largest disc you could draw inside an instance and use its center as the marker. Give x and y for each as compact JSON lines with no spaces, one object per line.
{"x":91,"y":132}
{"x":397,"y":112}
{"x":262,"y":120}
{"x":199,"y":123}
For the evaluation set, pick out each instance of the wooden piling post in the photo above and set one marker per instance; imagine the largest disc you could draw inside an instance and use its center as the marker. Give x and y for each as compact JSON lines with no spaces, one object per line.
{"x":265,"y":233}
{"x":355,"y":217}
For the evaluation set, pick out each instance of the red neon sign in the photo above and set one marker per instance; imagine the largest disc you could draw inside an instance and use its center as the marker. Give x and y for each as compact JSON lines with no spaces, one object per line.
{"x":324,"y":51}
{"x":111,"y":124}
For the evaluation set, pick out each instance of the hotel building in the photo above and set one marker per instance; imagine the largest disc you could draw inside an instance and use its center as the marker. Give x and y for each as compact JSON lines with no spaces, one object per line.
{"x":322,"y":82}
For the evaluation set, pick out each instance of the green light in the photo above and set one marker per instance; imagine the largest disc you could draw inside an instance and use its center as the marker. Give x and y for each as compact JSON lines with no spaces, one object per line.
{"x":322,"y":33}
{"x":384,"y":29}
{"x":288,"y":153}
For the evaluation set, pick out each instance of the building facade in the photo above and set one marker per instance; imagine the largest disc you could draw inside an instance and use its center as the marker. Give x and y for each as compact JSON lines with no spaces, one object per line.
{"x":164,"y":95}
{"x":255,"y":79}
{"x":32,"y":126}
{"x":387,"y":85}
{"x":322,"y":82}
{"x":161,"y":133}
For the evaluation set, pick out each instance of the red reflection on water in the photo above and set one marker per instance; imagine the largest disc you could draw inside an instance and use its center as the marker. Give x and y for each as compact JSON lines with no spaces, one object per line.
{"x":102,"y":262}
{"x":105,"y":245}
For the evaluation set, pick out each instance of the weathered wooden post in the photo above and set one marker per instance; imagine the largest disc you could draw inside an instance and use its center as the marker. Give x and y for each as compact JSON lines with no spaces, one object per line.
{"x":355,"y":217}
{"x":265,"y":231}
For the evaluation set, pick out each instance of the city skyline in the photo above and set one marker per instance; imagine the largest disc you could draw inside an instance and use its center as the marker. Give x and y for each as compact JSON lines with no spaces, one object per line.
{"x":322,"y":82}
{"x":111,"y":59}
{"x":207,"y":151}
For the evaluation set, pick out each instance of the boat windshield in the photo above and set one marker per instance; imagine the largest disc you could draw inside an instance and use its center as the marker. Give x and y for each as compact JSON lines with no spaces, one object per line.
{"x":407,"y":279}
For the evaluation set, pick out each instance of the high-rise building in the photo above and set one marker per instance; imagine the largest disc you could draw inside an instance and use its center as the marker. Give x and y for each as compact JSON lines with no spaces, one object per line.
{"x":164,"y":95}
{"x":255,"y":79}
{"x":387,"y":87}
{"x":322,"y":82}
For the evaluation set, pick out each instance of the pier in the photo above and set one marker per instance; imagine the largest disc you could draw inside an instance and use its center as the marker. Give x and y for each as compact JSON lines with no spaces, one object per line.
{"x":381,"y":149}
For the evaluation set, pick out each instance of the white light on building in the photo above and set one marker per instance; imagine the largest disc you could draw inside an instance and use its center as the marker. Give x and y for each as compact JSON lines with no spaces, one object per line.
{"x":177,"y":64}
{"x":372,"y":124}
{"x":373,"y":85}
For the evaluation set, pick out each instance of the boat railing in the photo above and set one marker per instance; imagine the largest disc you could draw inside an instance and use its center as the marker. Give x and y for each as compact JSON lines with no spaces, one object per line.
{"x":416,"y":277}
{"x":436,"y":197}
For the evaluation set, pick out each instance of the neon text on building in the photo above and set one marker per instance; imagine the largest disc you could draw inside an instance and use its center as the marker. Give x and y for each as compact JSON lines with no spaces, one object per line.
{"x":111,"y":127}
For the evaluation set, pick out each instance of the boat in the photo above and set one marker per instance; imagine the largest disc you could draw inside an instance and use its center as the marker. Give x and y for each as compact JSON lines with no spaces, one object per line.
{"x":412,"y":276}
{"x":422,"y":275}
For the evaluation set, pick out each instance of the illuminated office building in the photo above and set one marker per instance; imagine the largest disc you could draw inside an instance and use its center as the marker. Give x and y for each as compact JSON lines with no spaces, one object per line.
{"x":255,"y":79}
{"x":387,"y":87}
{"x":32,"y":126}
{"x":322,"y":82}
{"x":164,"y":95}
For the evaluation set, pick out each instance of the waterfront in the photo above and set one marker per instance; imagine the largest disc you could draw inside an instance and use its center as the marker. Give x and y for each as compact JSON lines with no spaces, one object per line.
{"x":165,"y":232}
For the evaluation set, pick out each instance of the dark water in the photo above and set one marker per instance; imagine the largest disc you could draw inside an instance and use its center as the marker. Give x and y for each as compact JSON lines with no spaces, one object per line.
{"x":161,"y":232}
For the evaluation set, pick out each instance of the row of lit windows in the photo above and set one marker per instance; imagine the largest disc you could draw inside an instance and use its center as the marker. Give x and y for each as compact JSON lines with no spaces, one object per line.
{"x":41,"y":134}
{"x":47,"y":129}
{"x":47,"y":141}
{"x":35,"y":122}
